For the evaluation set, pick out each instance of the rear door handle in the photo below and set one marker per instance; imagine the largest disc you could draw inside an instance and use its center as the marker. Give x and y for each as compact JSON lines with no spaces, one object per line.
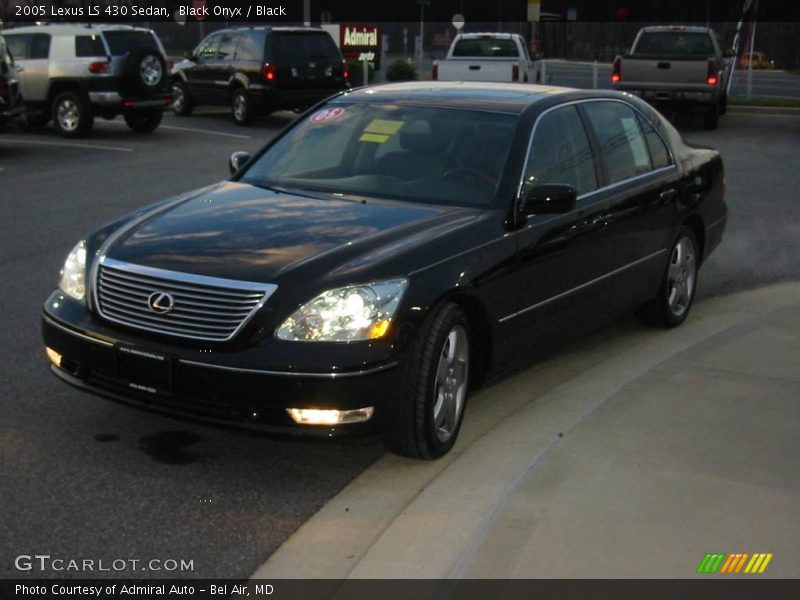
{"x":474,"y":67}
{"x":668,"y":195}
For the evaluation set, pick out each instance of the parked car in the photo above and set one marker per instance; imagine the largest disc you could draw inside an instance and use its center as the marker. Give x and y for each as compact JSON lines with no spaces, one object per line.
{"x":486,"y":57}
{"x":386,"y":252}
{"x":677,"y":65}
{"x":12,"y":108}
{"x":760,"y":61}
{"x":74,"y":73}
{"x":258,"y":70}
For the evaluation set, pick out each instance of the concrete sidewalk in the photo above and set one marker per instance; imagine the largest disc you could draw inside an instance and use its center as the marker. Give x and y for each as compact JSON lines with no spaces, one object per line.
{"x":630,"y":454}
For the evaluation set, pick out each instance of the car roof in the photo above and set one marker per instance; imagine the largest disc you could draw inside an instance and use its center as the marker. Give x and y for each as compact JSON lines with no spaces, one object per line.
{"x":499,"y":97}
{"x":276,"y":29}
{"x":71,"y":30}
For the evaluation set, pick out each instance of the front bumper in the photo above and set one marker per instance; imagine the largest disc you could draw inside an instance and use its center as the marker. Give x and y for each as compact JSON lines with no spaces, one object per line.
{"x":206,"y":388}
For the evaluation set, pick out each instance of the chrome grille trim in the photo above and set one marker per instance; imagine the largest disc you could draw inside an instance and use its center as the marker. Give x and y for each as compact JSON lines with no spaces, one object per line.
{"x":206,"y":308}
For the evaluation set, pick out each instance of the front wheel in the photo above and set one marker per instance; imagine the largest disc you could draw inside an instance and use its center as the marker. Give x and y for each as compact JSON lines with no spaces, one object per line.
{"x":430,"y":410}
{"x":71,"y":115}
{"x":181,"y":99}
{"x":144,"y":121}
{"x":675,"y":296}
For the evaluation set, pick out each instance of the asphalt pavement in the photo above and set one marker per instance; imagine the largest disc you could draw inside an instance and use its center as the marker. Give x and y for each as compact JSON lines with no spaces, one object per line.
{"x":83,"y":477}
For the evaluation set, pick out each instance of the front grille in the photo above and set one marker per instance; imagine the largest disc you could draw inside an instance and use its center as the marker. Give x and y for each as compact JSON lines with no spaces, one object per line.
{"x":202,"y":308}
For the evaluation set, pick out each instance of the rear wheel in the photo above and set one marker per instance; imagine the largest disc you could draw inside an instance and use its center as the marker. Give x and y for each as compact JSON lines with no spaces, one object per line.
{"x":675,"y":296}
{"x":430,"y":410}
{"x":711,"y":118}
{"x":144,"y":121}
{"x":71,"y":115}
{"x":723,"y":104}
{"x":242,"y":108}
{"x":181,"y":100}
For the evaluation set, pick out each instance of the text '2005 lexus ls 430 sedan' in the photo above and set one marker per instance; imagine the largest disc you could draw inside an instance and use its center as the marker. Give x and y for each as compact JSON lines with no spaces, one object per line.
{"x":388,"y":251}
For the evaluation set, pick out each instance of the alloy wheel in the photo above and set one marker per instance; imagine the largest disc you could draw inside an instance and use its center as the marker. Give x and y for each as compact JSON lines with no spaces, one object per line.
{"x":681,"y":276}
{"x":450,"y":387}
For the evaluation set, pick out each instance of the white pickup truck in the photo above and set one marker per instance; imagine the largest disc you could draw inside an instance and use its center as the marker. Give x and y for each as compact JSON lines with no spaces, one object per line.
{"x":486,"y":57}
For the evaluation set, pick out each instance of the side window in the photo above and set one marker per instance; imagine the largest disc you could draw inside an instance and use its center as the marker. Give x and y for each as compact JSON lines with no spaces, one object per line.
{"x":227,"y":46}
{"x":18,"y":45}
{"x":251,"y":46}
{"x":88,"y":46}
{"x":622,"y":144}
{"x":561,"y":153}
{"x":40,"y":45}
{"x":208,"y":49}
{"x":658,"y":150}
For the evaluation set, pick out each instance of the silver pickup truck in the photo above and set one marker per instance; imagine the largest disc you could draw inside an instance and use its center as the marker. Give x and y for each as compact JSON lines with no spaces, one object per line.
{"x":676,"y":65}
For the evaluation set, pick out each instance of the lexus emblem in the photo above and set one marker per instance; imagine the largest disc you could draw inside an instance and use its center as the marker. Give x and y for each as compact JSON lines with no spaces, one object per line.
{"x":161,"y":302}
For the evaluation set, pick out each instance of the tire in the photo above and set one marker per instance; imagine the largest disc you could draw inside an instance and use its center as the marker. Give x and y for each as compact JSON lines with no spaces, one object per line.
{"x":71,"y":115}
{"x":242,"y":107}
{"x":144,"y":121}
{"x":723,"y":104}
{"x":711,"y":118}
{"x":145,"y":72}
{"x":182,"y":104}
{"x":430,"y":410}
{"x":678,"y":284}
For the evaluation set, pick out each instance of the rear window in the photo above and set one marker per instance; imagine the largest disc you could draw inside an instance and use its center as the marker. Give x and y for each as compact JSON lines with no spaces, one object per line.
{"x":299,"y":48}
{"x":486,"y":47}
{"x":674,"y":42}
{"x":89,"y":45}
{"x":122,"y":42}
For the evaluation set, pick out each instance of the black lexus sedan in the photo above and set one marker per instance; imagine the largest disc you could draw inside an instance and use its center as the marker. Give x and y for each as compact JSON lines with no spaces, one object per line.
{"x":388,"y":251}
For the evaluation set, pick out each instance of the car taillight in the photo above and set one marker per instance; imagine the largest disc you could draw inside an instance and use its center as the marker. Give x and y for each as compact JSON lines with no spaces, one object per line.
{"x":515,"y":73}
{"x":435,"y":72}
{"x":345,"y":72}
{"x":712,"y":78}
{"x":269,"y":72}
{"x":616,"y":70}
{"x":99,"y":67}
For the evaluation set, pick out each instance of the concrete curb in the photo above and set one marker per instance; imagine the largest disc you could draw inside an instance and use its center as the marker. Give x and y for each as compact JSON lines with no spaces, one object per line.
{"x":408,"y":519}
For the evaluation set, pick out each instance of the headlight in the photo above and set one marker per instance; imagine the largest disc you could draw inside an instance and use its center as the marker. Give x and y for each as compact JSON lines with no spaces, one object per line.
{"x":348,"y":314}
{"x":73,"y":273}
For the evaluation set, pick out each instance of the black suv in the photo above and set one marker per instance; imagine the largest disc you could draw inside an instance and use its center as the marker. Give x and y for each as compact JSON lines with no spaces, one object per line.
{"x":259,"y":70}
{"x":12,"y":110}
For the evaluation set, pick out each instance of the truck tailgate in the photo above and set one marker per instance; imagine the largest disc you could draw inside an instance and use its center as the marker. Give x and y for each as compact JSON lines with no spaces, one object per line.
{"x":664,"y":72}
{"x":457,"y":69}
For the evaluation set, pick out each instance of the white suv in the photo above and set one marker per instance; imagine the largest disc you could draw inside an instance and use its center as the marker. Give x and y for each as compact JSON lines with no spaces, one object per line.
{"x":72,"y":73}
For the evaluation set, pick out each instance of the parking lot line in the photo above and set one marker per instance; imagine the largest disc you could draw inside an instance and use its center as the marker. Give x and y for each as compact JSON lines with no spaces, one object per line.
{"x":208,"y":131}
{"x":68,"y":145}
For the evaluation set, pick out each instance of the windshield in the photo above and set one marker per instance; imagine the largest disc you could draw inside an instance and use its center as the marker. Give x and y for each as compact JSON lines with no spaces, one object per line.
{"x":122,"y":42}
{"x":421,"y":154}
{"x":675,"y":42}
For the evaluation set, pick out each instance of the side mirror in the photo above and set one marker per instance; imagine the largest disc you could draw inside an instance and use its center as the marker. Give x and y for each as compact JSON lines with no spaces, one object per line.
{"x":238,"y":160}
{"x":189,"y":55}
{"x":548,"y":199}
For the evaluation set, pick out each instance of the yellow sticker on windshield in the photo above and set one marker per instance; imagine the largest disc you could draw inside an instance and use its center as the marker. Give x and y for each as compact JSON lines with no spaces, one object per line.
{"x":383,"y":126}
{"x":378,"y":138}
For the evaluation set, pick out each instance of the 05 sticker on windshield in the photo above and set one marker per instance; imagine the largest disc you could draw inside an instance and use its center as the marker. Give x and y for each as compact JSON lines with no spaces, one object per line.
{"x":327,"y":114}
{"x":380,"y":130}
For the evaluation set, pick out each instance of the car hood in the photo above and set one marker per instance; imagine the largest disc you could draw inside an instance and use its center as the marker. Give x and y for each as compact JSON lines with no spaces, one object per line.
{"x":240,"y":231}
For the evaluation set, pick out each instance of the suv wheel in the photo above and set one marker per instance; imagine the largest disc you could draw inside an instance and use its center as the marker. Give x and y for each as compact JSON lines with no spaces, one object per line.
{"x":143,"y":121}
{"x":242,"y":108}
{"x":181,"y":100}
{"x":145,"y":71}
{"x":71,"y":115}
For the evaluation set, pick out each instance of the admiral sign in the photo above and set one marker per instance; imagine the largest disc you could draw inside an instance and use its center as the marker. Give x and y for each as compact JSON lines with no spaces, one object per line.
{"x":361,"y":42}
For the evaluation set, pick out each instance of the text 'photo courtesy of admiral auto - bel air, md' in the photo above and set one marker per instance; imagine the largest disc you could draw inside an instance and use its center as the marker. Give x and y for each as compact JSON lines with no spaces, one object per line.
{"x":390,"y":250}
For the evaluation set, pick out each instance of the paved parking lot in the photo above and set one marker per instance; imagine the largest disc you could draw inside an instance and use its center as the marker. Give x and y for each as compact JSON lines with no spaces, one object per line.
{"x":82,"y":477}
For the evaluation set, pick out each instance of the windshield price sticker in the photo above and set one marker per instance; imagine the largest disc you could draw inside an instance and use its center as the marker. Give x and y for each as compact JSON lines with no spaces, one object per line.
{"x":327,"y":114}
{"x":380,"y":130}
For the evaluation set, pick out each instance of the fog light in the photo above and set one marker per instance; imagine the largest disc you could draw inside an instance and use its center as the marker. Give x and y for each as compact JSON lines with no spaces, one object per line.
{"x":318,"y":416}
{"x":54,"y":356}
